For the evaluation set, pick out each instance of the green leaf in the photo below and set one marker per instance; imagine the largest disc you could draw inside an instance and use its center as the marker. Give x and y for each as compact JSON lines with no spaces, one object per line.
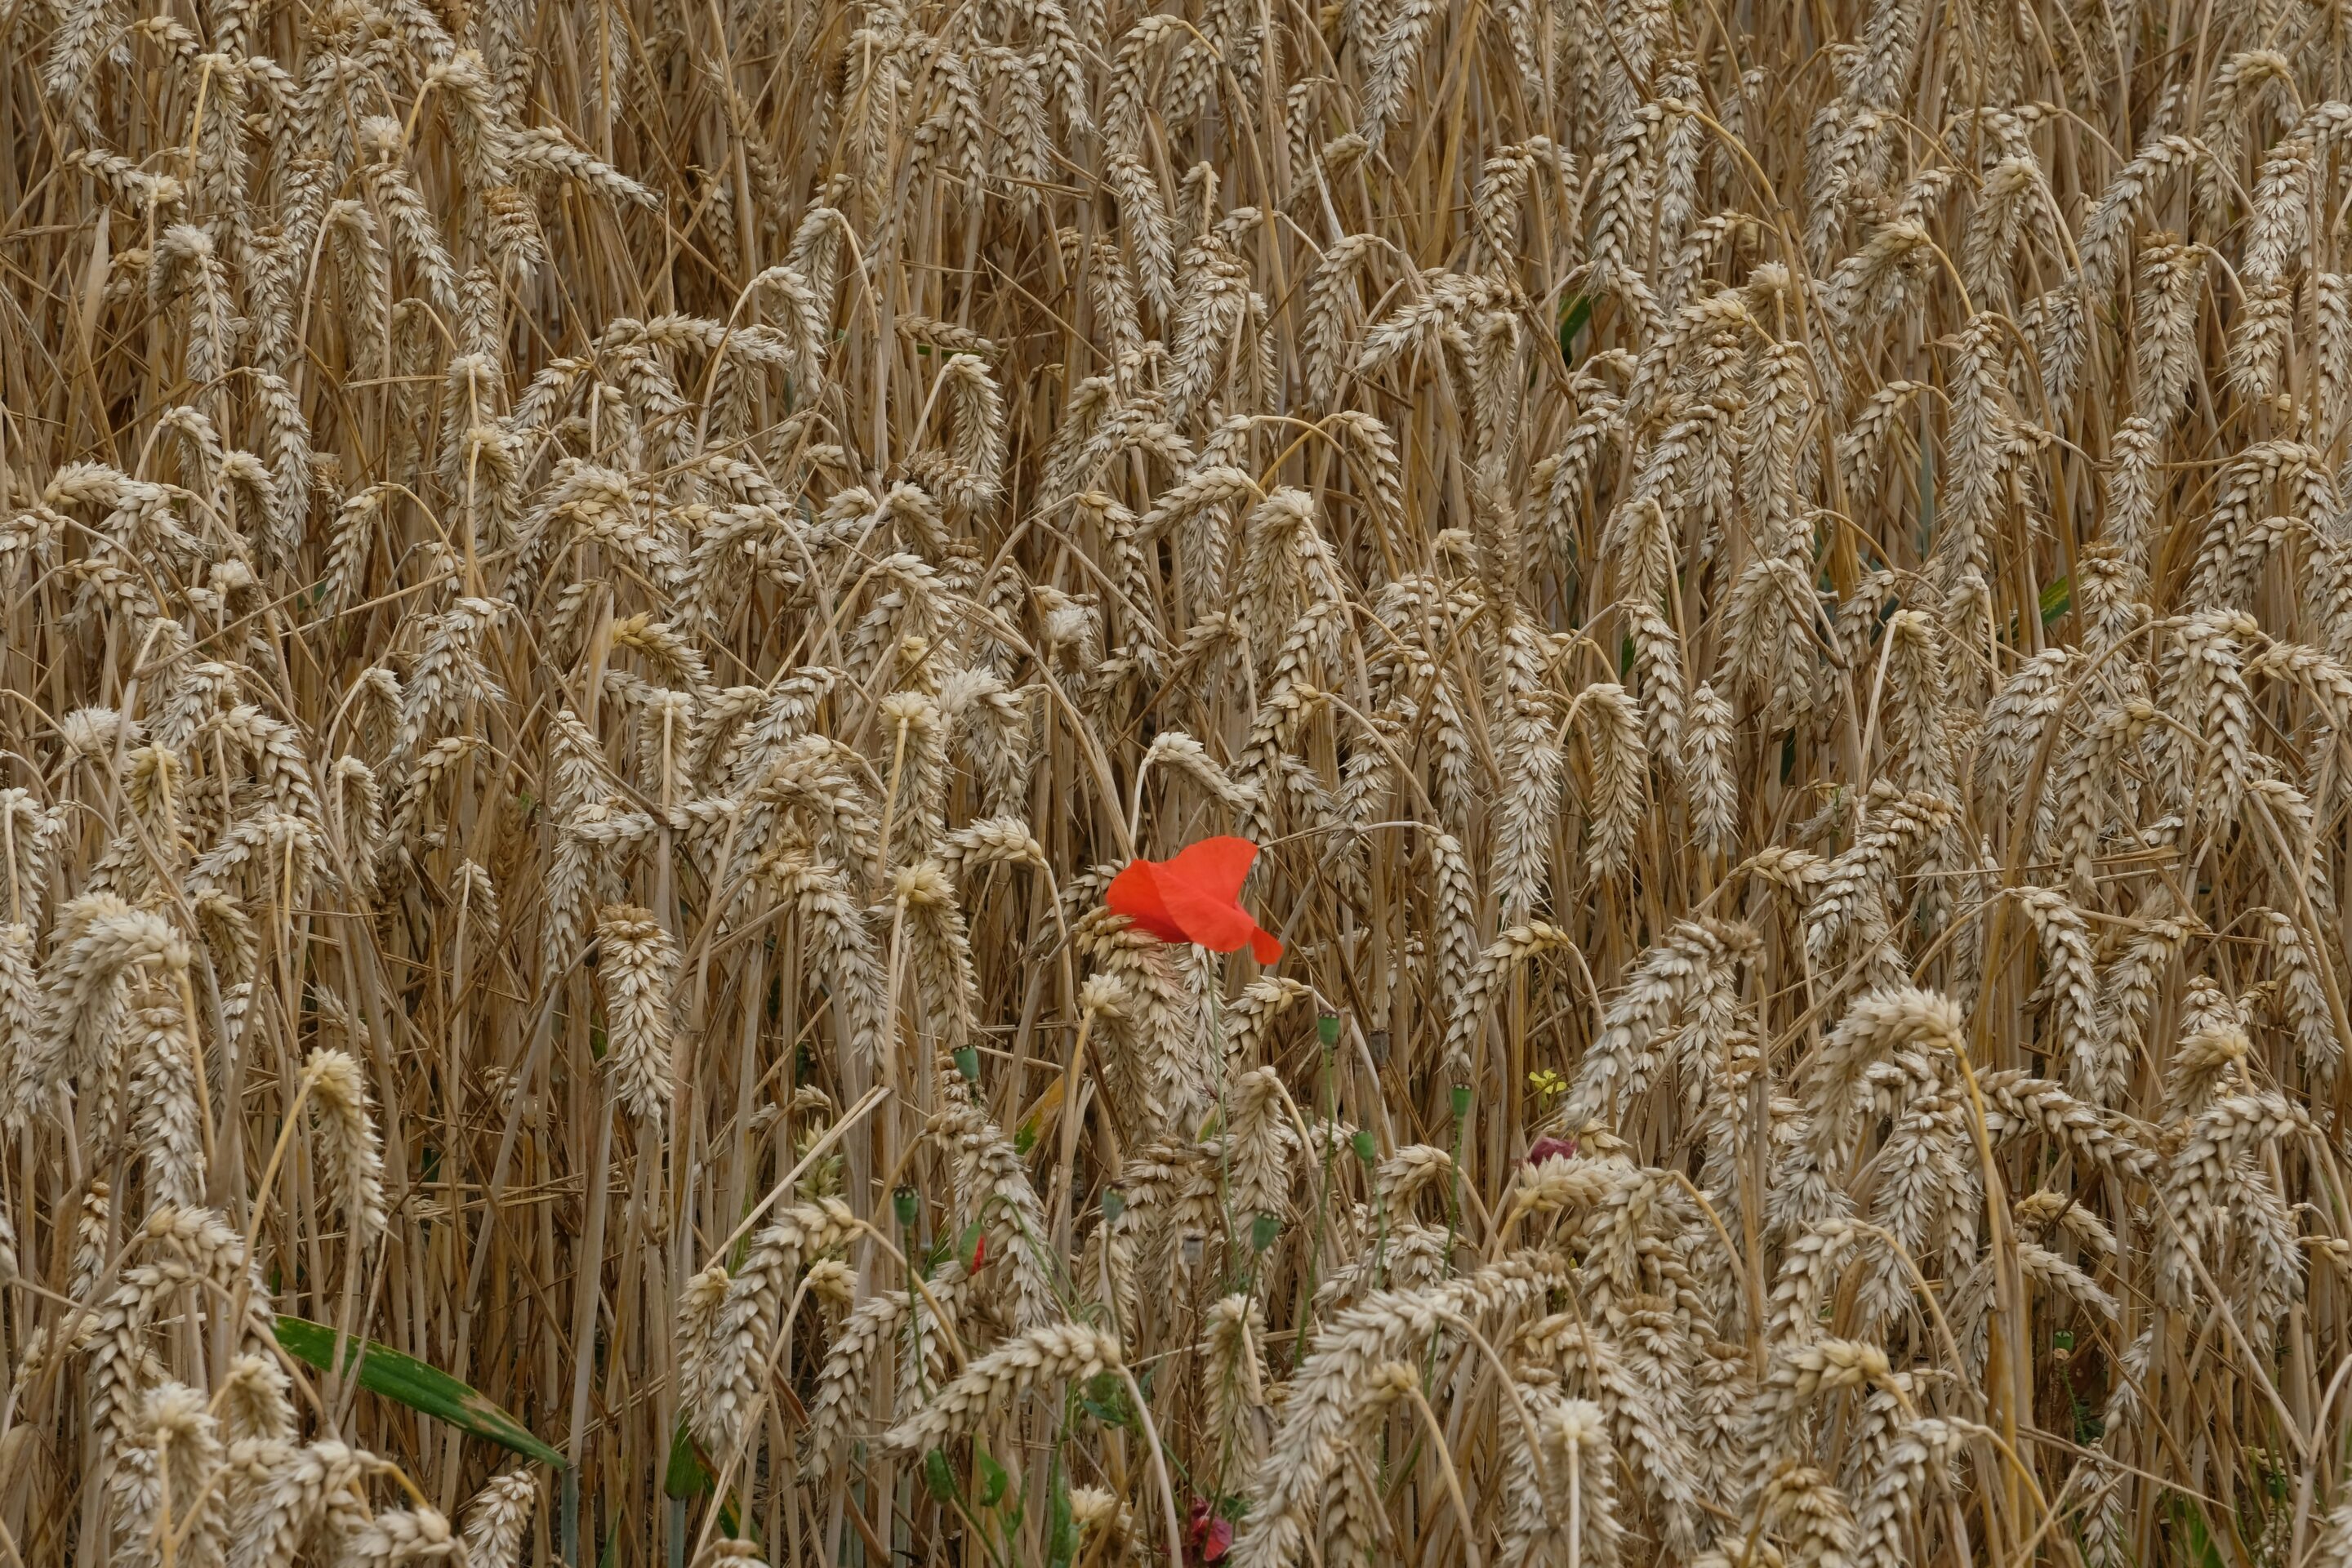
{"x":2057,"y":599}
{"x":385,"y":1371}
{"x":1572,"y":317}
{"x":1062,"y":1535}
{"x":1026,"y":1137}
{"x":1105,"y":1400}
{"x":937,"y":1477}
{"x":2191,"y":1519}
{"x":686,"y":1475}
{"x":993,"y":1479}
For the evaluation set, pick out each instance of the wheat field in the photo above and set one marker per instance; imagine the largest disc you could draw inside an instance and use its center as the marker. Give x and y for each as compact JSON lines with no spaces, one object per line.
{"x":593,"y":594}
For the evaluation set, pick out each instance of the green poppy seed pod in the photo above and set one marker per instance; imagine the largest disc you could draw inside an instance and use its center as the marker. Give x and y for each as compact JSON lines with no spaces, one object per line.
{"x":1366,"y":1149}
{"x":967,"y":1061}
{"x":1327,"y":1029}
{"x":908,"y":1204}
{"x":1461,"y":1102}
{"x":1114,"y":1204}
{"x":1262,"y":1230}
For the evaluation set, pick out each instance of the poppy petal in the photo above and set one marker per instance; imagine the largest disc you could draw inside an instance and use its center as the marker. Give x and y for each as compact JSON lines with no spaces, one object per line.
{"x":1218,"y":925}
{"x":1195,"y":896}
{"x":1135,"y":893}
{"x":1202,"y":887}
{"x":1217,"y":867}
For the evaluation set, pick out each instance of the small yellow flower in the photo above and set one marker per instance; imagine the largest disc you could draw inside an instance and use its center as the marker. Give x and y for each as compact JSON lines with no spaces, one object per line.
{"x":1548,"y":1084}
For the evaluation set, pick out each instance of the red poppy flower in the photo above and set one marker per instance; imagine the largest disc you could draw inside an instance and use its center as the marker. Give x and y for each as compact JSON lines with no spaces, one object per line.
{"x":1196,"y":897}
{"x":1549,"y":1148}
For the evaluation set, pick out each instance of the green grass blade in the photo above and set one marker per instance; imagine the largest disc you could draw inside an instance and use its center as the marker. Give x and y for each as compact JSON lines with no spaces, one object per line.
{"x":414,"y":1383}
{"x":1572,"y":317}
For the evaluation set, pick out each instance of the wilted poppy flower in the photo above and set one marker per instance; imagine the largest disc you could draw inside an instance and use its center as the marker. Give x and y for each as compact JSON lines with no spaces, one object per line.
{"x":1211,"y":1533}
{"x":1549,"y":1148}
{"x":1195,"y":897}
